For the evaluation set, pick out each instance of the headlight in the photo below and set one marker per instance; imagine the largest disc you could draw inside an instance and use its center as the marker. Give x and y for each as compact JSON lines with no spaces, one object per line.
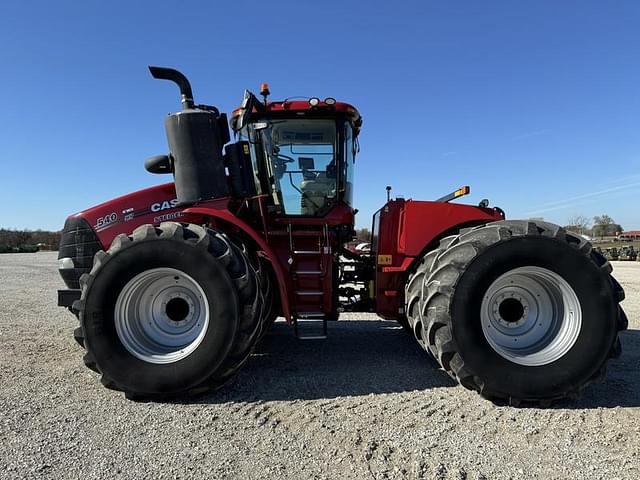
{"x":65,"y":263}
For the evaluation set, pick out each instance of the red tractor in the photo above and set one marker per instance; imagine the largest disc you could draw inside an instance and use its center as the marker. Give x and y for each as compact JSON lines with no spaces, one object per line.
{"x":174,"y":285}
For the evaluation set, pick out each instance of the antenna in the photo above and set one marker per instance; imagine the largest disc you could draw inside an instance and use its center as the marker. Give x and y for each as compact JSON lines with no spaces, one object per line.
{"x":388,"y":192}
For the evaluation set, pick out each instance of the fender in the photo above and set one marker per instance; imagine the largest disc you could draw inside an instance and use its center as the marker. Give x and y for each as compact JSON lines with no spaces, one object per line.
{"x":404,"y":235}
{"x":158,"y":204}
{"x":406,"y":230}
{"x":227,"y":216}
{"x":414,"y":234}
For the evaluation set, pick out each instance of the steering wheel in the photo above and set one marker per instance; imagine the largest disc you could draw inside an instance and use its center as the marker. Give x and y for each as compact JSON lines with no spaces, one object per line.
{"x":285,"y":158}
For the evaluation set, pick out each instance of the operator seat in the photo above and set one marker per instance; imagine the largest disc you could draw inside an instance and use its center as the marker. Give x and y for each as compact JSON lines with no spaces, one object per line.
{"x":316,"y":188}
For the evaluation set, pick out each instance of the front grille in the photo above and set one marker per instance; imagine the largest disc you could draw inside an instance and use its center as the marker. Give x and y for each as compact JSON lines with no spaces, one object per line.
{"x":80,"y":243}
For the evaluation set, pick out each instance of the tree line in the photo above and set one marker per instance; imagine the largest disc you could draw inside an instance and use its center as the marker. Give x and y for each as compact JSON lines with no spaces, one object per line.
{"x":363,"y":235}
{"x":601,"y":226}
{"x":11,"y":240}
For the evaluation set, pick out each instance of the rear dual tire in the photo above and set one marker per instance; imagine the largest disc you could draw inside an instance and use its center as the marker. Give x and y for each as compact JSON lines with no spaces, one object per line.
{"x":172,"y":310}
{"x":472,"y":300}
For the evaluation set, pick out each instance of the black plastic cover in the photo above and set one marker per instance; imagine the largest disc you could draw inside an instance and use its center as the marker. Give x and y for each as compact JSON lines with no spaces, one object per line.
{"x":195,"y":142}
{"x":80,"y":243}
{"x":158,"y":164}
{"x":67,"y":297}
{"x":241,"y":178}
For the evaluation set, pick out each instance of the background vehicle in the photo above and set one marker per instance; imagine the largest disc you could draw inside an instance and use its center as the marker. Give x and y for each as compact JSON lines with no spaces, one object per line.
{"x":175,"y":284}
{"x":627,"y":253}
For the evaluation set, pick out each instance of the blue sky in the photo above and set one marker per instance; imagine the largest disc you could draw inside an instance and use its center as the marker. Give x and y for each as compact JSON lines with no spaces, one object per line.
{"x":536,"y":105}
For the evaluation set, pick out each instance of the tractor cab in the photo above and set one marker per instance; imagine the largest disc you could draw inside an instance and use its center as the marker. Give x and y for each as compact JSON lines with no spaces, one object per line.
{"x":302,"y":152}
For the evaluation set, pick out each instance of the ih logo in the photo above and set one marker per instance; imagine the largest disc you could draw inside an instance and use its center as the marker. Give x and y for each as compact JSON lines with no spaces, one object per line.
{"x":158,"y":207}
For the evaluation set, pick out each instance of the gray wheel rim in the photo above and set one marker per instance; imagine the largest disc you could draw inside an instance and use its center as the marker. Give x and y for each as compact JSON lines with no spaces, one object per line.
{"x":531,"y":316}
{"x":161,"y":315}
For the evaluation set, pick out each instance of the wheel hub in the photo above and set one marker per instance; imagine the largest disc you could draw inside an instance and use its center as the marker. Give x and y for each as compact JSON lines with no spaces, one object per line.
{"x":178,"y":309}
{"x":161,"y":315}
{"x":511,"y":310}
{"x":531,"y":316}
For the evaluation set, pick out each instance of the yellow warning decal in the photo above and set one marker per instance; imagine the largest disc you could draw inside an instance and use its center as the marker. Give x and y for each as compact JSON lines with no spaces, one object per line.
{"x":246,"y":149}
{"x":384,"y":260}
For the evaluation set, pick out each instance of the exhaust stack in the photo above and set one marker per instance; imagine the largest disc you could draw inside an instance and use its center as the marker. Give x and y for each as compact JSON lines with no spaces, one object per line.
{"x":196,"y":136}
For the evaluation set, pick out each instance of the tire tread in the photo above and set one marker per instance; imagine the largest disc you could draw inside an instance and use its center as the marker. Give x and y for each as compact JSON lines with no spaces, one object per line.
{"x":244,"y":277}
{"x":432,"y":284}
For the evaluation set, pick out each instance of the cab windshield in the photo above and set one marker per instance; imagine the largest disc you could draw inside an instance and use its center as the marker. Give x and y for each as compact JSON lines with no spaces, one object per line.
{"x":301,"y":159}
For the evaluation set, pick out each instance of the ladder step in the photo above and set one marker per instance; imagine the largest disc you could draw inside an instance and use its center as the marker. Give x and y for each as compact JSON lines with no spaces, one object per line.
{"x":308,"y":272}
{"x":309,"y":293}
{"x":304,"y":315}
{"x":308,"y":329}
{"x":307,"y":252}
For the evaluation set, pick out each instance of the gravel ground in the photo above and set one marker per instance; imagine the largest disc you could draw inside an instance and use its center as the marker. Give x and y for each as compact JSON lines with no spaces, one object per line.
{"x":366,"y":403}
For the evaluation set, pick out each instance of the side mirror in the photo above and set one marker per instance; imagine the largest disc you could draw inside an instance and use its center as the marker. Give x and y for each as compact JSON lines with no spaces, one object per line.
{"x":159,"y":164}
{"x":332,"y":171}
{"x":249,"y":104}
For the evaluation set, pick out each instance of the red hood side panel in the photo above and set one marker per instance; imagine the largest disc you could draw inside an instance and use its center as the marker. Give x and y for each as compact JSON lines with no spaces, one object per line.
{"x":423,"y":221}
{"x":123,"y":214}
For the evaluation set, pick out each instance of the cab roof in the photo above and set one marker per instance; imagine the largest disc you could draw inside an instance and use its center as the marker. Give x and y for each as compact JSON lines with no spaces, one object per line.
{"x":320,"y":107}
{"x":301,"y":105}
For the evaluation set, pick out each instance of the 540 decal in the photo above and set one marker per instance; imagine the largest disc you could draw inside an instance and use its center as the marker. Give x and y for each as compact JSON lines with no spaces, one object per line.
{"x":107,"y":220}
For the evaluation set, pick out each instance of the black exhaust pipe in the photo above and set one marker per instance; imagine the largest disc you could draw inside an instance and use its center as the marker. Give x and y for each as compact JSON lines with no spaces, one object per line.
{"x":196,"y":136}
{"x":162,"y":73}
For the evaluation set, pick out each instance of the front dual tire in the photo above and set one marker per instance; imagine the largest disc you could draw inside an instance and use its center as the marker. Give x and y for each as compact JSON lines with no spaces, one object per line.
{"x":172,"y":310}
